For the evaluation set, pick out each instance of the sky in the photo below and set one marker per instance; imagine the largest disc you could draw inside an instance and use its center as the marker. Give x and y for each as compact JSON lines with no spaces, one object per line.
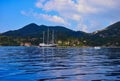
{"x":79,"y":15}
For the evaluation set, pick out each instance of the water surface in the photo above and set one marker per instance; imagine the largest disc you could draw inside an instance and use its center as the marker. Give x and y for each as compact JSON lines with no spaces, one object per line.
{"x":59,"y":64}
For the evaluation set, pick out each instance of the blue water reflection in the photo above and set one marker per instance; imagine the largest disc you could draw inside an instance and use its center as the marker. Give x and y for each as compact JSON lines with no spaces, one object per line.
{"x":59,"y":64}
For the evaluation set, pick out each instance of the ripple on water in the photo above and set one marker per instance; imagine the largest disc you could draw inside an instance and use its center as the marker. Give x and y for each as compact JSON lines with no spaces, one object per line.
{"x":59,"y":64}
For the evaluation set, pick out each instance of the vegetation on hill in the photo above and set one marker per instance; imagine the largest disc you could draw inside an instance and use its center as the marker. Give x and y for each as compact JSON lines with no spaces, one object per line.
{"x":32,"y":33}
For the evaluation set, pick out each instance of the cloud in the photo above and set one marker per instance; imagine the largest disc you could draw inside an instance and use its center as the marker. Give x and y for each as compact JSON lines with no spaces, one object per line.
{"x":39,"y":4}
{"x":24,"y":13}
{"x":54,"y":18}
{"x":80,"y":6}
{"x":51,"y":18}
{"x":82,"y":27}
{"x":65,"y":8}
{"x":105,"y":3}
{"x":79,"y":12}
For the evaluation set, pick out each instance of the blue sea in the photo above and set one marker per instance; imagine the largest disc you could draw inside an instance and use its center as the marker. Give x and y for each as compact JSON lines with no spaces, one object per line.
{"x":18,"y":63}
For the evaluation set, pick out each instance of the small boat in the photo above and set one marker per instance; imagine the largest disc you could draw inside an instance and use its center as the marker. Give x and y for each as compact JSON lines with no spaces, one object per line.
{"x":48,"y":44}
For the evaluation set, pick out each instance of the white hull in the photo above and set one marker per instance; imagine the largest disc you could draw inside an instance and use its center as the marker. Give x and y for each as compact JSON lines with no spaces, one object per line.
{"x":97,"y":47}
{"x":47,"y":45}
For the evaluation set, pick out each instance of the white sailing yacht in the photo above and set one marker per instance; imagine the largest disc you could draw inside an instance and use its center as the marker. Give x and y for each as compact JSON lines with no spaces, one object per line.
{"x":48,"y":44}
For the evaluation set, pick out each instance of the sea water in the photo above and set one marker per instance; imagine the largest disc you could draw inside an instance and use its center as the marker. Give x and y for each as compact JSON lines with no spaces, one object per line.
{"x":18,"y":63}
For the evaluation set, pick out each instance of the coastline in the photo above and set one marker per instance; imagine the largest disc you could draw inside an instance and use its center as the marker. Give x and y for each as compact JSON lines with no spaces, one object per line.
{"x":68,"y":46}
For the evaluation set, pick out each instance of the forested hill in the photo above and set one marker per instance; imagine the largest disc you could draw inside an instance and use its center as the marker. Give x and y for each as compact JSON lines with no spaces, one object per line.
{"x":110,"y":31}
{"x":110,"y":36}
{"x":34,"y":30}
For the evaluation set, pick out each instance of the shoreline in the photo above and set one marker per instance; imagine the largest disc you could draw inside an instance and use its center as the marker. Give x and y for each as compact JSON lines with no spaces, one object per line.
{"x":70,"y":46}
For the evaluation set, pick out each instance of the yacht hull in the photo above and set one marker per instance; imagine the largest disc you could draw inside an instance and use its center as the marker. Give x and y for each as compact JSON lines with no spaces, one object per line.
{"x":47,"y":45}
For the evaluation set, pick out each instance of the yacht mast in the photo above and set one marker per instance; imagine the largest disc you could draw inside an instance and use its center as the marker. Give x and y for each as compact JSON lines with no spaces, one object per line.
{"x":48,"y":36}
{"x":43,"y":36}
{"x":53,"y":37}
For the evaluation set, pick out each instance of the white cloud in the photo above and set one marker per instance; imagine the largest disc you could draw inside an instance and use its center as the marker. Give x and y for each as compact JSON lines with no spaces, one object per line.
{"x":51,"y":18}
{"x":54,"y":18}
{"x":39,"y":3}
{"x":24,"y":13}
{"x":76,"y":17}
{"x":78,"y":11}
{"x":105,"y":3}
{"x":82,"y":27}
{"x":65,"y":8}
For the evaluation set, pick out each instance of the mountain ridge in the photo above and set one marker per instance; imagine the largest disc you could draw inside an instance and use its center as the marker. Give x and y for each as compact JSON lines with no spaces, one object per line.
{"x":110,"y":36}
{"x":110,"y":30}
{"x":33,"y":29}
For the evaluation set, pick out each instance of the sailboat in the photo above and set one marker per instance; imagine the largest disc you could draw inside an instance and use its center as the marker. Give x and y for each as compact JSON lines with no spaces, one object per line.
{"x":48,"y":44}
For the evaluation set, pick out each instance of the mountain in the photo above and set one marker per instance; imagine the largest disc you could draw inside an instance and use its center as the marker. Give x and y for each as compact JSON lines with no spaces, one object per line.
{"x":33,"y":30}
{"x":110,"y":31}
{"x":110,"y":36}
{"x":28,"y":30}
